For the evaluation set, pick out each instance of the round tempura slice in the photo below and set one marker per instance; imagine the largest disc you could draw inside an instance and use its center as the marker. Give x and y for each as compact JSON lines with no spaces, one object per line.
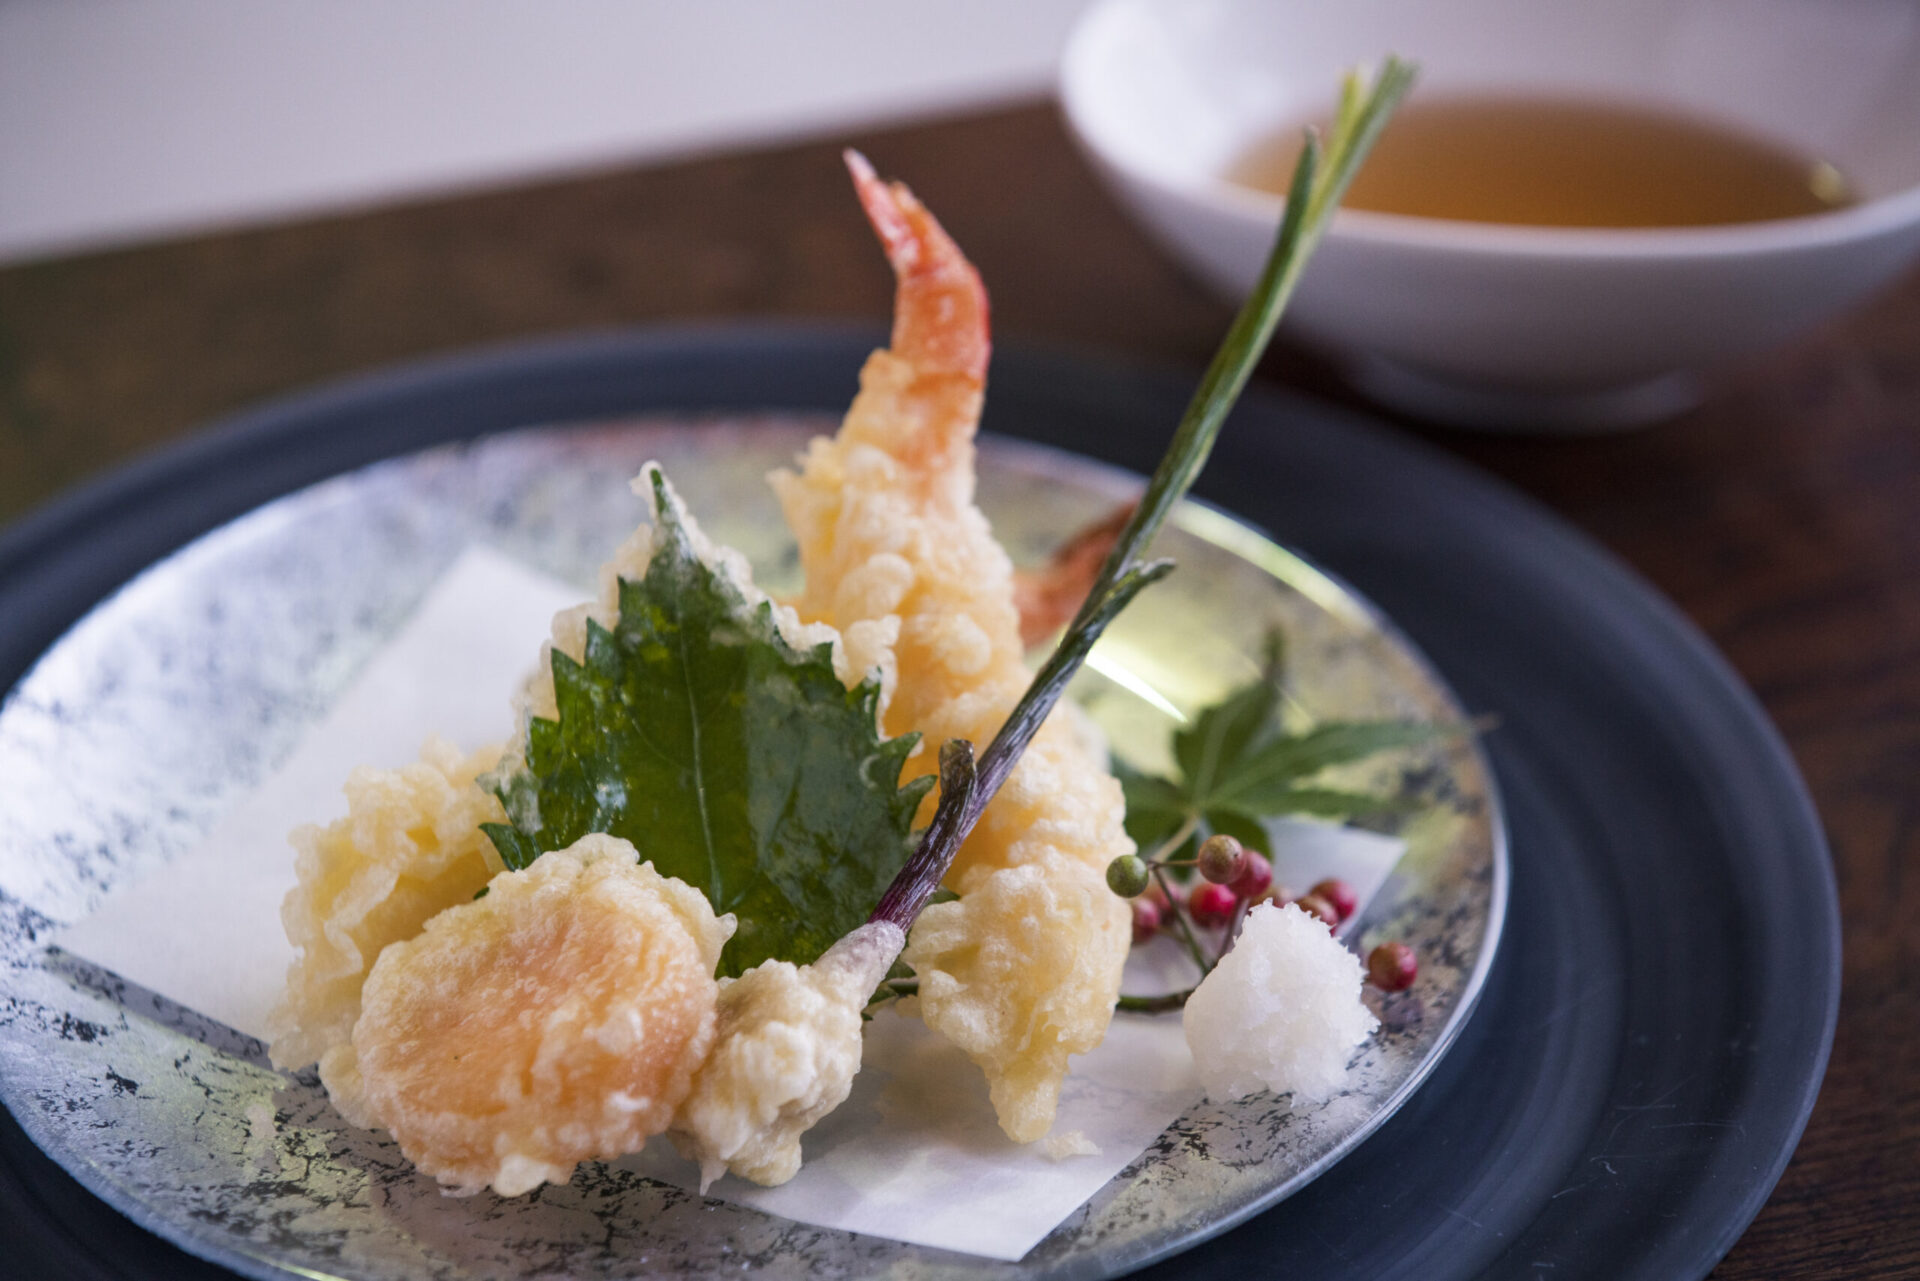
{"x":557,"y":1019}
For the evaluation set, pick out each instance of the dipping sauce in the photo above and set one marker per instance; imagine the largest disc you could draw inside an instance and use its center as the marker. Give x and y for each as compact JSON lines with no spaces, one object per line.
{"x":1550,"y":162}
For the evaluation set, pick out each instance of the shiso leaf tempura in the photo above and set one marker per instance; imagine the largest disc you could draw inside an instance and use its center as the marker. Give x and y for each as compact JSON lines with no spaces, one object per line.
{"x":723,"y":737}
{"x":675,"y":918}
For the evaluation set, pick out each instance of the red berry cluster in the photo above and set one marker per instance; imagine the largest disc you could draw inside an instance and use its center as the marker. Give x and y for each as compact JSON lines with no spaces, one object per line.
{"x":1234,"y":879}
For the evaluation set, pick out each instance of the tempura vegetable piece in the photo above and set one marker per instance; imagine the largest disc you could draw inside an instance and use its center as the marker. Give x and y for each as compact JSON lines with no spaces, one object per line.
{"x":785,"y":1055}
{"x":887,"y":527}
{"x":409,"y":847}
{"x":1016,"y":969}
{"x":558,"y":1018}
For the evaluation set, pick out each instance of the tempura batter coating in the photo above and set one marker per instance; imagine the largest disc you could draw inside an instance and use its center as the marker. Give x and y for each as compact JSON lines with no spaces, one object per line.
{"x":557,"y":1019}
{"x":1016,"y":968}
{"x":887,"y":526}
{"x":409,"y":848}
{"x":785,"y":1055}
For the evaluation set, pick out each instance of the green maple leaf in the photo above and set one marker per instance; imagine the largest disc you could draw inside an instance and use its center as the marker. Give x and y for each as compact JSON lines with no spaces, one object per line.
{"x":730,"y":759}
{"x":1238,"y":767}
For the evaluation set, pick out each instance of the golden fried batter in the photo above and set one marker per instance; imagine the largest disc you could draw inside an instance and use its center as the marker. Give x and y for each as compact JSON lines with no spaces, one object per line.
{"x":409,"y":847}
{"x":785,"y":1055}
{"x":1014,"y":971}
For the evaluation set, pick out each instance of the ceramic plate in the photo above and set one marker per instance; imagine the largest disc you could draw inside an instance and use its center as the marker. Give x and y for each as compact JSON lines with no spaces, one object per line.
{"x":179,"y":694}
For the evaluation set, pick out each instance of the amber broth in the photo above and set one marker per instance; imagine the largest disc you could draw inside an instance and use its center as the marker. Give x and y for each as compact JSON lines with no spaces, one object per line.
{"x":1566,"y":163}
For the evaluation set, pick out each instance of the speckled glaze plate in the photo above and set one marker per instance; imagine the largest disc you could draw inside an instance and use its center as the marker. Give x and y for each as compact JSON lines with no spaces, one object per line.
{"x":1651,"y":1036}
{"x":177,"y":695}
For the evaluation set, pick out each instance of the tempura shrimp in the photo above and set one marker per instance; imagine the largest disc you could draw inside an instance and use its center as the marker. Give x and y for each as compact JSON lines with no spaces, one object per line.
{"x":887,"y":527}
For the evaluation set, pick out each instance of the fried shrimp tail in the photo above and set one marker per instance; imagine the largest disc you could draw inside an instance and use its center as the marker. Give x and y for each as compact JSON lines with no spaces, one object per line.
{"x":940,"y":309}
{"x":887,"y":527}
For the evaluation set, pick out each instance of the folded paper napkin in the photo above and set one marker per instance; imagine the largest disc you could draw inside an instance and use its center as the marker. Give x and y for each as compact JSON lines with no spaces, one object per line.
{"x":913,"y":1155}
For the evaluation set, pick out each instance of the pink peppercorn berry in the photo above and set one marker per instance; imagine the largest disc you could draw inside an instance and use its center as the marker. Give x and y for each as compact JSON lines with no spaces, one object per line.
{"x":1158,"y":897}
{"x":1210,"y":905}
{"x":1315,"y":906}
{"x":1392,"y":967}
{"x":1255,"y":878}
{"x":1146,"y":919}
{"x":1222,"y":859}
{"x":1338,"y":895}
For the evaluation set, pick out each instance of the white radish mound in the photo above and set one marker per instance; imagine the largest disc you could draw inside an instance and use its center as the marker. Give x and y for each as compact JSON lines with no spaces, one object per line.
{"x":1281,"y":1012}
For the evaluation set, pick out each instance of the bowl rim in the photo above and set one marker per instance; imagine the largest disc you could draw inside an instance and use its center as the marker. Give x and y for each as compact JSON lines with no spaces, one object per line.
{"x":1080,"y":71}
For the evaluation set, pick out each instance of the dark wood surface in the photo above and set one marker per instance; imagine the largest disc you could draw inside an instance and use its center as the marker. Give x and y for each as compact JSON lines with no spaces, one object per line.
{"x":1783,"y":515}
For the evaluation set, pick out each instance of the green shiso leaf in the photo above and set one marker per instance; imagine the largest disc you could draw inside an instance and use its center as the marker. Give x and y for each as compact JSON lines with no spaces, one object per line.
{"x":730,"y":759}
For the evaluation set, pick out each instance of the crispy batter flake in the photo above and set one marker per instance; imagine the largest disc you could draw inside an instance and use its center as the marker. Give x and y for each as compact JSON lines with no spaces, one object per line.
{"x":786,"y":1054}
{"x":409,"y":847}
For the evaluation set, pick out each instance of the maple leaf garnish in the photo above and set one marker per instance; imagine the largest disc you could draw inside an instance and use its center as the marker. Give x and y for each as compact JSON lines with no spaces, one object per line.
{"x":1238,"y":766}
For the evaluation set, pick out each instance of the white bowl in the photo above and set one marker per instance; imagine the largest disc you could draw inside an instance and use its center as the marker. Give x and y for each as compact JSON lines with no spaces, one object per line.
{"x":1508,"y":326}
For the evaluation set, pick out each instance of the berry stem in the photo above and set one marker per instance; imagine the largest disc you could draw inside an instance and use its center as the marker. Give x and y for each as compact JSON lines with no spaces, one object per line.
{"x":1180,"y":837}
{"x":1179,"y":914}
{"x":1154,"y":1004}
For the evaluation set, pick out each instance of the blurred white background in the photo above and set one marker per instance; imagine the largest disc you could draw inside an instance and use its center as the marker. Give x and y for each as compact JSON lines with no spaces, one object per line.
{"x":126,"y":120}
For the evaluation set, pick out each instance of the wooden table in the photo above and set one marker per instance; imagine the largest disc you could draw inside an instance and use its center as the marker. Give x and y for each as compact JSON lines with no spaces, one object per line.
{"x":1783,"y":515}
